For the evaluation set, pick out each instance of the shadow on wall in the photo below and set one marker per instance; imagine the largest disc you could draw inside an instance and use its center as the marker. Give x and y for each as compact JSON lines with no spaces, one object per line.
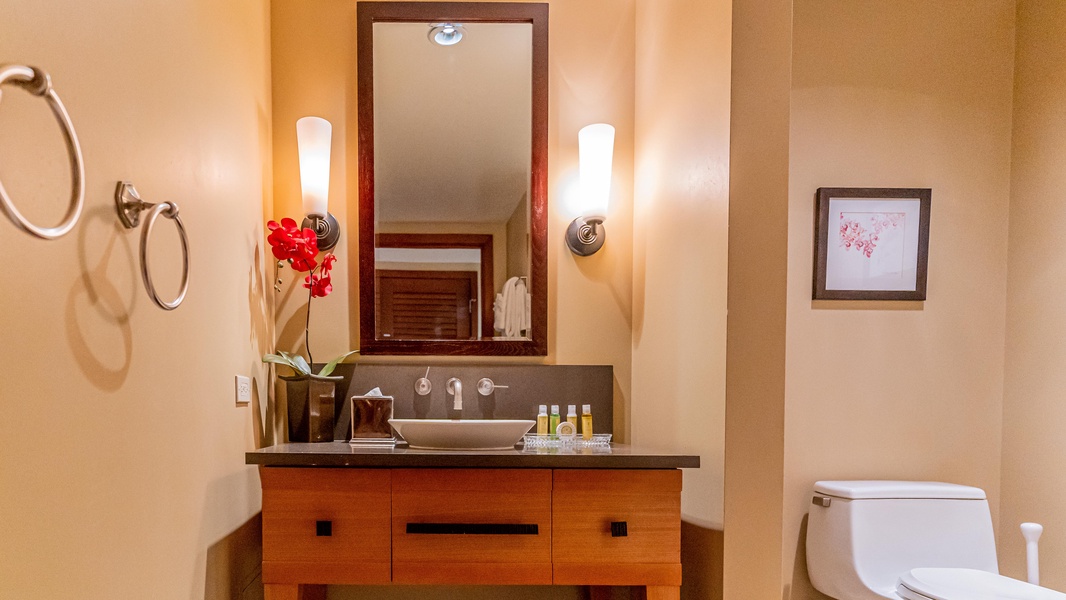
{"x":801,"y":581}
{"x":96,"y":307}
{"x":701,"y":562}
{"x":234,"y":564}
{"x":261,"y":334}
{"x":264,"y":416}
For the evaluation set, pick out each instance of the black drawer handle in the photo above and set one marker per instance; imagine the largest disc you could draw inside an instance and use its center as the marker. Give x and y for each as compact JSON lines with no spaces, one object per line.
{"x":324,"y":528}
{"x":619,"y":529}
{"x":474,"y":528}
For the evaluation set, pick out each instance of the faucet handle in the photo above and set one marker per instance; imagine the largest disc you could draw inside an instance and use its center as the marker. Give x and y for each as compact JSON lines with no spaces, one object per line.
{"x":422,"y":384}
{"x":485,"y":386}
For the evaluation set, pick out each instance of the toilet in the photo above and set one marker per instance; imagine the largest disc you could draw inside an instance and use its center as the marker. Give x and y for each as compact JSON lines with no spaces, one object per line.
{"x":915,"y":540}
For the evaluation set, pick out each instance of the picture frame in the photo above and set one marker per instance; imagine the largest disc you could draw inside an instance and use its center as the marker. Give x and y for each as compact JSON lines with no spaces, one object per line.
{"x":871,"y":243}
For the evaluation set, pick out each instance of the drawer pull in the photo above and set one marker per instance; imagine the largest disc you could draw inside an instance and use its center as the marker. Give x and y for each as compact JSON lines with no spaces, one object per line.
{"x":619,"y":529}
{"x":324,"y":528}
{"x":473,"y":528}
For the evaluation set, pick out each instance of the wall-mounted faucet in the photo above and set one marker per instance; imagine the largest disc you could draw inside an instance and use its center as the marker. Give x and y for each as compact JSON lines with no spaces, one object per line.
{"x":455,"y":387}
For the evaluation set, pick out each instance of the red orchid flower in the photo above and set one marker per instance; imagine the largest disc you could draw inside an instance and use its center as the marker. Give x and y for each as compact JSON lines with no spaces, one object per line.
{"x":281,"y":238}
{"x":327,"y":262}
{"x":320,"y":286}
{"x":289,"y":242}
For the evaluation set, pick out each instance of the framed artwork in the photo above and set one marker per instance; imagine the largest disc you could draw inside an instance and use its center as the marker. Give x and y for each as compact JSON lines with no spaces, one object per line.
{"x":871,"y":243}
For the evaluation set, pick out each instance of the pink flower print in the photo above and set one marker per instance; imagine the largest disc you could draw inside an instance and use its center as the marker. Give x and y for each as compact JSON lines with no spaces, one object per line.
{"x":854,"y":235}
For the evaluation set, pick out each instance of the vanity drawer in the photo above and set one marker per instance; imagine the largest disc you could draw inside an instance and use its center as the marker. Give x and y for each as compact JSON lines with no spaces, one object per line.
{"x":326,"y":525}
{"x":471,"y":526}
{"x":615,"y":527}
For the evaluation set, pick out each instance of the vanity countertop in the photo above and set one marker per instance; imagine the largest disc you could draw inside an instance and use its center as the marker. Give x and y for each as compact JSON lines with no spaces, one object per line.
{"x":343,"y":454}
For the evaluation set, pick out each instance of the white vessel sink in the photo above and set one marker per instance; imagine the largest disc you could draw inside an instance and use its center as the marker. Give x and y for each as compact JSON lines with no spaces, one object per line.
{"x":463,"y":434}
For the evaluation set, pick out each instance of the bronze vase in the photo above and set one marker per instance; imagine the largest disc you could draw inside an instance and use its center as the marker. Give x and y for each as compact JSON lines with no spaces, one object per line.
{"x":311,"y":408}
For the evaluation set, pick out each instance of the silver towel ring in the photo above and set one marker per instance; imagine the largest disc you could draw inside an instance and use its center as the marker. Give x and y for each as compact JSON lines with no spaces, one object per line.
{"x":130,"y":205}
{"x":38,"y":83}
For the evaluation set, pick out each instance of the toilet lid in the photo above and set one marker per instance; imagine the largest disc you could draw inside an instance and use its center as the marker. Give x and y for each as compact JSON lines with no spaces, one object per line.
{"x":971,"y":584}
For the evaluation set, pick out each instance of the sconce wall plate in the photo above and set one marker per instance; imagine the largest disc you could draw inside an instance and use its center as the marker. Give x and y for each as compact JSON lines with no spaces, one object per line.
{"x":326,"y":229}
{"x":585,"y":237}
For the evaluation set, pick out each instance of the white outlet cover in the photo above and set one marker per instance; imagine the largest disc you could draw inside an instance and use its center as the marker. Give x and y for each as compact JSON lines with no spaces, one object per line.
{"x":244,"y":389}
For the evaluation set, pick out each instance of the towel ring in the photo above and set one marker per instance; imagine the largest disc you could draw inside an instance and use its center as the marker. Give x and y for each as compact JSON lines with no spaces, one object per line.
{"x":130,"y":205}
{"x":38,"y":83}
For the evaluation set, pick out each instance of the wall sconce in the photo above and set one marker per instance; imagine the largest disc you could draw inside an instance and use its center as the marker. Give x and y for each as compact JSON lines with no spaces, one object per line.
{"x":313,"y":138}
{"x":586,"y":234}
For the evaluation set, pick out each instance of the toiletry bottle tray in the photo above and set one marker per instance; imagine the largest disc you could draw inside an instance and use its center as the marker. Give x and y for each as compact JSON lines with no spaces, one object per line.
{"x":599,"y":440}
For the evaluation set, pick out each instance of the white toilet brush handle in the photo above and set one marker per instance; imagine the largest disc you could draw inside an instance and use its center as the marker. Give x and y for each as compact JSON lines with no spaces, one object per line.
{"x":1031,"y":532}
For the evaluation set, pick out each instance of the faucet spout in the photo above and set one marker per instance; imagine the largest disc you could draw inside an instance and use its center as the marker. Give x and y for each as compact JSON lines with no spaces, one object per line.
{"x":456,"y":388}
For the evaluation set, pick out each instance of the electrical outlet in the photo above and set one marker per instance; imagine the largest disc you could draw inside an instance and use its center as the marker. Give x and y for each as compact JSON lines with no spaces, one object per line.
{"x":244,"y":389}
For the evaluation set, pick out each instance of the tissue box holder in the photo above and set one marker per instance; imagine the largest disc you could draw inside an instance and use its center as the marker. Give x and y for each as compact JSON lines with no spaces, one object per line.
{"x":370,"y":421}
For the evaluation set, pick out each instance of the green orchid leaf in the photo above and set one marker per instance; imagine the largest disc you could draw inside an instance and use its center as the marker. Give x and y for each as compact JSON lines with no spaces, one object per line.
{"x":297,"y":366}
{"x":278,"y":360}
{"x":302,"y":365}
{"x":331,"y":365}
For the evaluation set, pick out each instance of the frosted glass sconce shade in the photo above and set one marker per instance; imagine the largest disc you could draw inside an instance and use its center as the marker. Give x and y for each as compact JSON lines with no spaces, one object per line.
{"x":313,"y":137}
{"x":595,"y":154}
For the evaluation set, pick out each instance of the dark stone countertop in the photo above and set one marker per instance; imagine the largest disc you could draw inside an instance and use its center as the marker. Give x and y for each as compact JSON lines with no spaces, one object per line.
{"x":342,"y":454}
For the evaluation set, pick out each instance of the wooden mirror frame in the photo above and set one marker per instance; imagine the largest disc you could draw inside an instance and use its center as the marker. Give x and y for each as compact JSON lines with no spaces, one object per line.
{"x":536,"y":14}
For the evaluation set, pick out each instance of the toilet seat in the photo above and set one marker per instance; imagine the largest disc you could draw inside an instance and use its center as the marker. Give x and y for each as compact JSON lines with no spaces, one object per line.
{"x":968,"y":584}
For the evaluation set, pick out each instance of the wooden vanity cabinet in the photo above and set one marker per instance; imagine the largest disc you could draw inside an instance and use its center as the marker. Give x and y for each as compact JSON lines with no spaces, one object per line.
{"x":613,"y":527}
{"x":327,"y":525}
{"x":471,"y":526}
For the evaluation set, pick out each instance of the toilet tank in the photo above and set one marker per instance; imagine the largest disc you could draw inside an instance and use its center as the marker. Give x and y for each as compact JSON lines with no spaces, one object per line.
{"x":861,"y":535}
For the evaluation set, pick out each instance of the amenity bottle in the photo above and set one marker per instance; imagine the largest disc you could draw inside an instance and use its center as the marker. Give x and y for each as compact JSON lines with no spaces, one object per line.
{"x":542,"y":420}
{"x":586,"y":421}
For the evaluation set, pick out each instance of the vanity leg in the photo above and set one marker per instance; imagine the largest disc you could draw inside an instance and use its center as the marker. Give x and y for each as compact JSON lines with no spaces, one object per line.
{"x":286,"y":591}
{"x":657,"y":592}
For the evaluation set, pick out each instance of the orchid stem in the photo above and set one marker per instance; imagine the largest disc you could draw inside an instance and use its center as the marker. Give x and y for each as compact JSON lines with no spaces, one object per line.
{"x":307,"y":324}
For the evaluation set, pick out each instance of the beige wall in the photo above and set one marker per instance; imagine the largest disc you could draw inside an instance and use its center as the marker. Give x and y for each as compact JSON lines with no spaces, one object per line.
{"x":899,"y":94}
{"x":755,"y":333}
{"x":312,"y":58}
{"x":680,"y":246}
{"x":1034,"y":413}
{"x":121,"y":448}
{"x":679,"y":259}
{"x":518,"y":241}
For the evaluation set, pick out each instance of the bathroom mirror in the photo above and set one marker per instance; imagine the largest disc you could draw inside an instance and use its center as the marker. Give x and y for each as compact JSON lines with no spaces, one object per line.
{"x":453,"y":178}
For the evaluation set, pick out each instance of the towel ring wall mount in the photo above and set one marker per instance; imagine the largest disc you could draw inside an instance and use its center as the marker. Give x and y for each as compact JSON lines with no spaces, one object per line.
{"x":38,"y":83}
{"x":129,"y":205}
